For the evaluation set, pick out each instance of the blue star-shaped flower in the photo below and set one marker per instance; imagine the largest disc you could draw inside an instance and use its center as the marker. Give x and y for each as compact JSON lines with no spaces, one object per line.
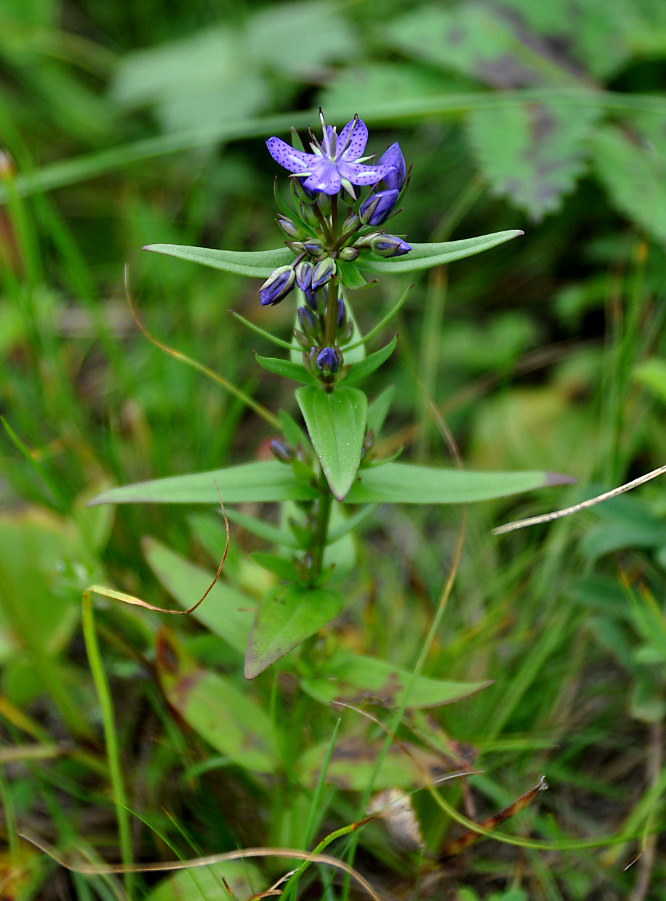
{"x":335,"y":162}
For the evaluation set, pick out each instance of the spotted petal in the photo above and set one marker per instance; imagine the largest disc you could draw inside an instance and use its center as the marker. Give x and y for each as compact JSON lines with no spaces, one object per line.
{"x":357,"y":132}
{"x":325,"y":177}
{"x":291,"y":159}
{"x":358,"y":174}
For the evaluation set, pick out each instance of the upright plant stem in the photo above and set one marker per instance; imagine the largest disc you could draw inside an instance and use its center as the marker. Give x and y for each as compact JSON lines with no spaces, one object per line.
{"x":320,"y":533}
{"x":110,"y":736}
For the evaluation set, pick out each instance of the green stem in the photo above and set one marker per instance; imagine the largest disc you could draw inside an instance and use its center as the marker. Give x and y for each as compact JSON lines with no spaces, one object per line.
{"x":110,"y":735}
{"x":320,"y":531}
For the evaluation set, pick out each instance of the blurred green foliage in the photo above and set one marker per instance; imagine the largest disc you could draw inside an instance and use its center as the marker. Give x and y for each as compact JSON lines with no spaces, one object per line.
{"x":133,"y":123}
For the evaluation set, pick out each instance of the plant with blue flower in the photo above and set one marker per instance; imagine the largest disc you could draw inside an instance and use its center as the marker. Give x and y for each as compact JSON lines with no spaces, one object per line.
{"x":326,"y":474}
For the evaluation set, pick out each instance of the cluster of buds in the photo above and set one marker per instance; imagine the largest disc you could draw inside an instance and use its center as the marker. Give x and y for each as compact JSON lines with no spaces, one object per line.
{"x":322,"y":237}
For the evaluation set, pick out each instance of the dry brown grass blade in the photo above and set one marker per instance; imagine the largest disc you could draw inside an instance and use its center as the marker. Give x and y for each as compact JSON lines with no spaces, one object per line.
{"x":492,"y":822}
{"x":137,"y":602}
{"x":89,"y":869}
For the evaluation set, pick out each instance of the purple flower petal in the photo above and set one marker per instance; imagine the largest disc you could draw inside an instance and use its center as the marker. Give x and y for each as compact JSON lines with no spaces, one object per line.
{"x":289,"y":158}
{"x":359,"y":174}
{"x":356,"y":132}
{"x":325,"y":178}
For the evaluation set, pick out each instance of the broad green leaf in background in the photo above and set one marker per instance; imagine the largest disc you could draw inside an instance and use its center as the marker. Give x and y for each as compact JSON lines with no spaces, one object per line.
{"x":402,"y":483}
{"x":228,"y":73}
{"x":258,"y":263}
{"x":225,"y":611}
{"x":477,"y":40}
{"x":287,"y":616}
{"x":353,"y":764}
{"x":354,"y":678}
{"x":531,"y":154}
{"x":651,"y":374}
{"x":425,"y":256}
{"x":203,"y":884}
{"x":336,"y":425}
{"x":631,"y":163}
{"x":267,"y":480}
{"x":226,"y":717}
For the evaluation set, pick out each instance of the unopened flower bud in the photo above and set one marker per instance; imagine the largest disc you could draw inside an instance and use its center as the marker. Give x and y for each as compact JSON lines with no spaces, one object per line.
{"x":290,"y":228}
{"x":348,"y":253}
{"x":304,"y":342}
{"x":347,"y":332}
{"x":393,"y":157}
{"x":276,"y":287}
{"x":351,"y":223}
{"x":296,"y":246}
{"x":308,"y":322}
{"x":303,"y":193}
{"x":309,"y":215}
{"x":329,"y":359}
{"x":367,"y":240}
{"x":390,"y":246}
{"x":323,"y":272}
{"x":341,"y":312}
{"x":314,"y":248}
{"x":304,"y":274}
{"x":377,"y":207}
{"x":282,"y":451}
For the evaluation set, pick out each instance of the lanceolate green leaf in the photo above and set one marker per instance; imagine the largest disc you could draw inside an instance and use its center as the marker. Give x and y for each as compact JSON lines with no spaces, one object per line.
{"x":398,"y":483}
{"x":258,"y":263}
{"x":425,"y":256}
{"x":336,"y":425}
{"x":351,"y":677}
{"x":288,"y":615}
{"x":227,"y":718}
{"x":267,"y":480}
{"x":286,"y":368}
{"x":363,"y":368}
{"x":401,"y":483}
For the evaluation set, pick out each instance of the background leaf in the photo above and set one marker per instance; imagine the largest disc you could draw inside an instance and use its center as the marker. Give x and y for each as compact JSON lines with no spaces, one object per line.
{"x":631,"y":163}
{"x":353,"y":678}
{"x":531,"y":154}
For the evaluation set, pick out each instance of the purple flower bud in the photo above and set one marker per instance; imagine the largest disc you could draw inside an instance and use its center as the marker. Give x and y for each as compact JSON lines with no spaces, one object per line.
{"x":328,"y":359}
{"x":303,"y":342}
{"x":341,"y":312}
{"x":390,"y":246}
{"x":308,"y":323}
{"x":377,"y":207}
{"x":290,"y":228}
{"x":282,"y":451}
{"x":323,"y":272}
{"x":393,"y":157}
{"x":314,"y":248}
{"x":276,"y":287}
{"x":304,"y":275}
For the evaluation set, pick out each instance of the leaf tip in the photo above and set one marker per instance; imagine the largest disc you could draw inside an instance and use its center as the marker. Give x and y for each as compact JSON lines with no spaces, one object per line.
{"x":558,"y":478}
